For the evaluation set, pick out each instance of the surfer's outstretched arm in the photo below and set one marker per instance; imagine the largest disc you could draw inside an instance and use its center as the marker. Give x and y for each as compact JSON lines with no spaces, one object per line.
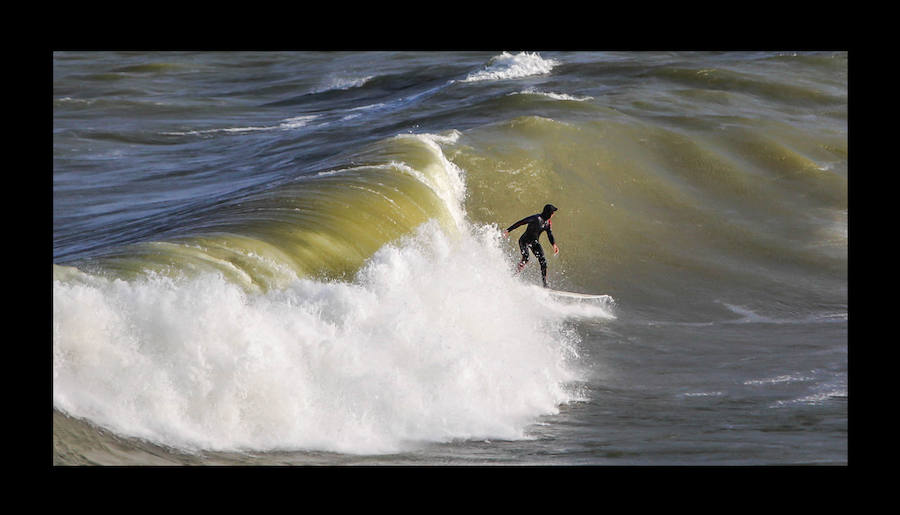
{"x":517,"y":224}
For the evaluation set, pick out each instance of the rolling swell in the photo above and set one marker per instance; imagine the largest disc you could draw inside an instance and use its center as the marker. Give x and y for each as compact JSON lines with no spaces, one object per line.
{"x":651,"y":207}
{"x":324,"y":224}
{"x":719,"y":79}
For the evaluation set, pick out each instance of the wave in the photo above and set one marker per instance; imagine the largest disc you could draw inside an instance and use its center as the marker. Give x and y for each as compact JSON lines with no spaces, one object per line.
{"x":433,"y":340}
{"x":513,"y":66}
{"x":720,"y":79}
{"x":323,"y":224}
{"x":654,"y":209}
{"x":357,"y":310}
{"x":554,"y":96}
{"x":158,"y":67}
{"x":343,"y":83}
{"x":295,"y":122}
{"x":739,"y":199}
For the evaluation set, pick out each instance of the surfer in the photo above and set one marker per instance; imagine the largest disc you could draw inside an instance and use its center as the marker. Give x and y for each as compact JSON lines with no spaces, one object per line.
{"x":536,"y":224}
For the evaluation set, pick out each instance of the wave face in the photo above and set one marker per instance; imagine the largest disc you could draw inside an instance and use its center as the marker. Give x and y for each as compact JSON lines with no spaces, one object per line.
{"x":303,"y":253}
{"x":324,"y":224}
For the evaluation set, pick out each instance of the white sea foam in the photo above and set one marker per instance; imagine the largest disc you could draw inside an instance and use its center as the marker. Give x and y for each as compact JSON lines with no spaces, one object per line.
{"x":821,"y":394}
{"x":513,"y":66}
{"x":356,"y":112}
{"x":554,"y":96}
{"x":784,"y":378}
{"x":434,"y":340}
{"x":295,"y":122}
{"x":341,"y":83}
{"x":748,"y":316}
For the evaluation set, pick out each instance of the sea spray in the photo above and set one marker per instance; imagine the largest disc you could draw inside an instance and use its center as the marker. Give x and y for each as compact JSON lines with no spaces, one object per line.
{"x":433,"y":341}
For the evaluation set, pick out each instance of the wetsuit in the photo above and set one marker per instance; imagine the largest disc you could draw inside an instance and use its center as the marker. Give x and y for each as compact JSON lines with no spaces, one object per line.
{"x":529,"y":239}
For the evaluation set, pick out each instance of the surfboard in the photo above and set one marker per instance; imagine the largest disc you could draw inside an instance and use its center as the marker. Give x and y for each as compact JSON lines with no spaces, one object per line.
{"x":574,"y":295}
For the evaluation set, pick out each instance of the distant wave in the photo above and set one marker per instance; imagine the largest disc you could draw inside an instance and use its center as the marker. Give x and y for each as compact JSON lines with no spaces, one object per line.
{"x":286,"y":124}
{"x":342,"y":83}
{"x":509,"y":66}
{"x":554,"y":96}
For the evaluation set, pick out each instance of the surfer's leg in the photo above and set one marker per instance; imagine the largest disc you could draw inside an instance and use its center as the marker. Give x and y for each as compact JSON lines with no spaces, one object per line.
{"x":539,"y":253}
{"x":523,"y":248}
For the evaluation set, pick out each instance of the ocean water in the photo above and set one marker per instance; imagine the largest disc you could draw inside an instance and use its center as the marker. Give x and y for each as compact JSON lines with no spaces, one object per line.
{"x":297,"y":258}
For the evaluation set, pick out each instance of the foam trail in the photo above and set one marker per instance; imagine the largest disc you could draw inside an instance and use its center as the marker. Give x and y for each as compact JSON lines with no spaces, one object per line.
{"x":554,"y":96}
{"x":286,"y":124}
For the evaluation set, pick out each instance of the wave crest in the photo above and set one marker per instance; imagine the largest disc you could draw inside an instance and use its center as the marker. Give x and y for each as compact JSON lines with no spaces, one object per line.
{"x":509,"y":66}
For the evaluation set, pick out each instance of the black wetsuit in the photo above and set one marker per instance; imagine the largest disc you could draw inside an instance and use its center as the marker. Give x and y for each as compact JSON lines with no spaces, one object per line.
{"x":529,"y":239}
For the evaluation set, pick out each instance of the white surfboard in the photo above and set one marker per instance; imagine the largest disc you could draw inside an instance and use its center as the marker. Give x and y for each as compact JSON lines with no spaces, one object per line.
{"x":574,"y":295}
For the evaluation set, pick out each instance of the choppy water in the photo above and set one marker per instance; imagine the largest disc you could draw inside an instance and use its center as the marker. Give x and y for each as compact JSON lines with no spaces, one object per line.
{"x":297,"y":258}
